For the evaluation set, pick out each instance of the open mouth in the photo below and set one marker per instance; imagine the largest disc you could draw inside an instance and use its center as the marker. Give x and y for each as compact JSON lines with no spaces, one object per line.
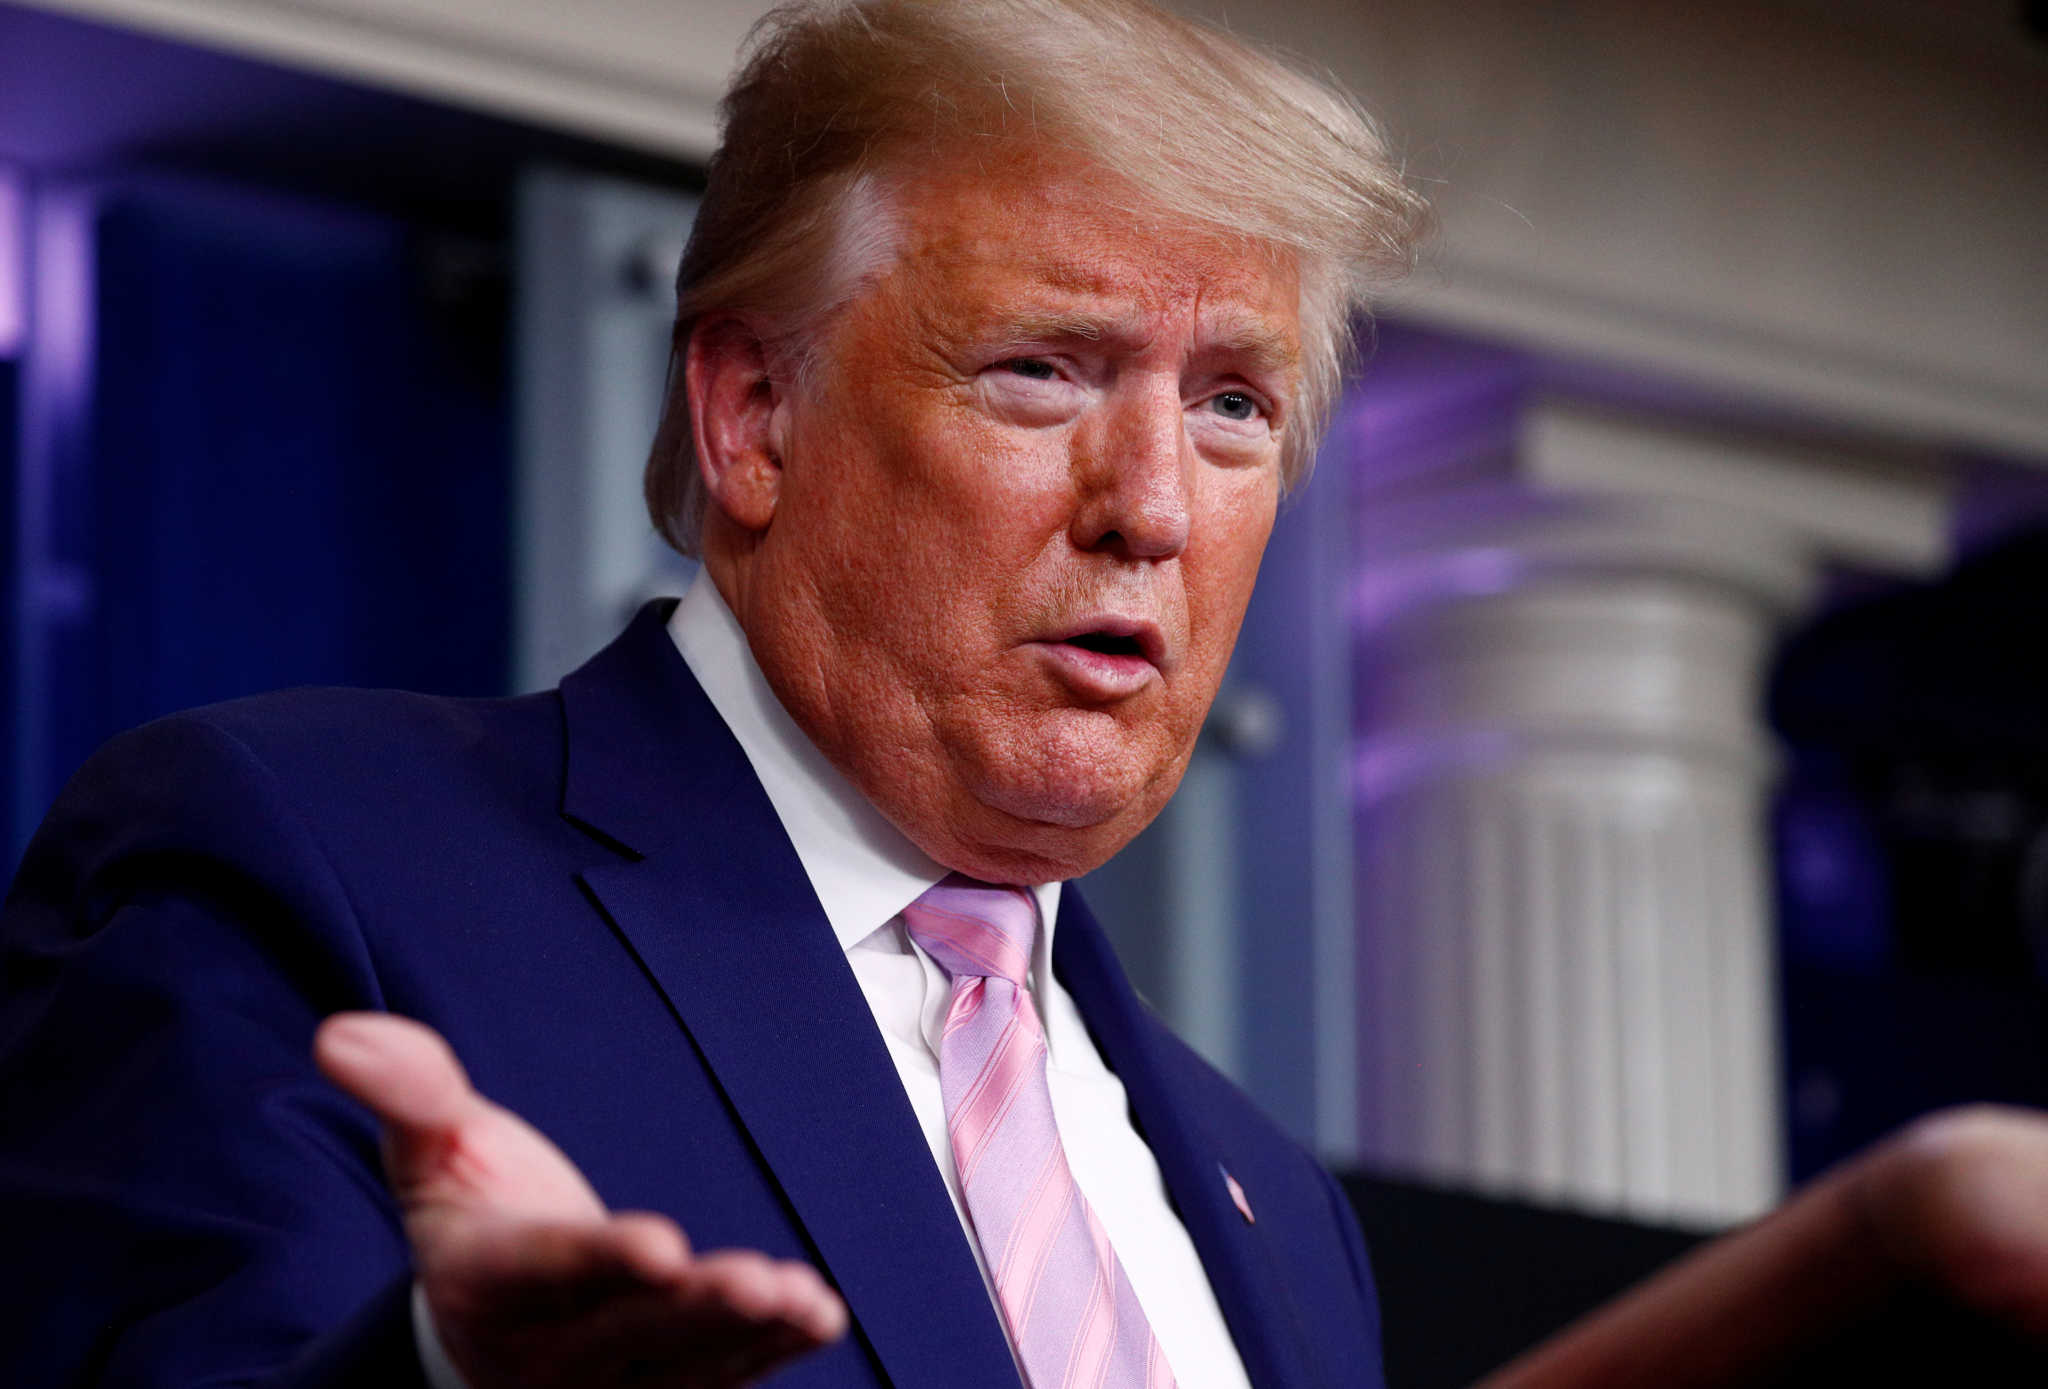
{"x":1111,"y":659}
{"x":1107,"y":644}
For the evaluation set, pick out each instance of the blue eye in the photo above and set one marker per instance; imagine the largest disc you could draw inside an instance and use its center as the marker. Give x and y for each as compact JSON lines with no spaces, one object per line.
{"x":1235,"y":405}
{"x":1031,"y":368}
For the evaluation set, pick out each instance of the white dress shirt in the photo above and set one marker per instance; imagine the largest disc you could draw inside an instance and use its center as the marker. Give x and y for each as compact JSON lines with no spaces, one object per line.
{"x":865,"y":872}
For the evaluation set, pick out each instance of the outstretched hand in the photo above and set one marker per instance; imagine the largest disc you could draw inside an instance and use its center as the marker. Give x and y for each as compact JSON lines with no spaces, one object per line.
{"x":1959,"y":1202}
{"x":1953,"y":1211}
{"x":531,"y":1281}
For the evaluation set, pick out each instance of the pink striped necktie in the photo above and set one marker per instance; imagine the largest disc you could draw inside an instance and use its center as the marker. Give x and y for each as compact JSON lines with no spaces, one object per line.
{"x":1071,"y":1313}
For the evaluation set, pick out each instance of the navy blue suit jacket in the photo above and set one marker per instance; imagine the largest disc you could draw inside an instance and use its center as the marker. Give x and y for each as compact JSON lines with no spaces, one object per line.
{"x":588,"y":892}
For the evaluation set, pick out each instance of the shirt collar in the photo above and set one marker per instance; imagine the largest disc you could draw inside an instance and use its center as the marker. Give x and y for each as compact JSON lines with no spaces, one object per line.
{"x":863,"y":869}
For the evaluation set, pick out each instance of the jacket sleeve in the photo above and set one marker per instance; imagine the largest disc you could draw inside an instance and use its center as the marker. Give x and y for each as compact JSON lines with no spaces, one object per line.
{"x":186,"y":1200}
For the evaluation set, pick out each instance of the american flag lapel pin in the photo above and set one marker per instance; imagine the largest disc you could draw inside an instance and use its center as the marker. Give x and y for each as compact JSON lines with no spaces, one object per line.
{"x":1237,"y":1197}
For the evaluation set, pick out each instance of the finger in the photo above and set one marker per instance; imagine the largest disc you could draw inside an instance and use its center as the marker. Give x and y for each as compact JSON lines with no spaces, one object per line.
{"x":505,"y":1271}
{"x":754,"y":1289}
{"x":1961,"y":1198}
{"x":403,"y":1071}
{"x":451,"y":1155}
{"x":736,"y":1316}
{"x":651,"y":1247}
{"x":811,"y":1305}
{"x":773,"y":1312}
{"x":821,"y":1313}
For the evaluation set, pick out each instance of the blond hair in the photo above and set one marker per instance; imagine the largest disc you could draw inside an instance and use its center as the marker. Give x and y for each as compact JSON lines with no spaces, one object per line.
{"x":1201,"y":127}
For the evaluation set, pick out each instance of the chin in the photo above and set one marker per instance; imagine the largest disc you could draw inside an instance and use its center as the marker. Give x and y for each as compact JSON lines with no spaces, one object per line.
{"x":1048,"y":824}
{"x":1067,"y":791}
{"x":1077,"y":791}
{"x":1027,"y":845}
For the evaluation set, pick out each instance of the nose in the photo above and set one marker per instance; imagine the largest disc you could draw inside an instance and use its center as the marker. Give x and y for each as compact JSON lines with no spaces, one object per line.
{"x":1134,"y":479}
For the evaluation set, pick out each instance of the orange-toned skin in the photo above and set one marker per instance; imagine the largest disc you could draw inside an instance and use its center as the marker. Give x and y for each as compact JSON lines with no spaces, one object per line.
{"x":1040,"y":414}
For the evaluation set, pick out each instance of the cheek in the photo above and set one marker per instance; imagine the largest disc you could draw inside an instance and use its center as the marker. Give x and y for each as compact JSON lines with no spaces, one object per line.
{"x":1003,"y":476}
{"x":1224,"y":561}
{"x":987,"y":521}
{"x":930,"y":541}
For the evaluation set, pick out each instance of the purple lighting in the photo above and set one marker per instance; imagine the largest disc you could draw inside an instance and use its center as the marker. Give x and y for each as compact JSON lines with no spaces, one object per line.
{"x":56,"y":386}
{"x":13,"y":264}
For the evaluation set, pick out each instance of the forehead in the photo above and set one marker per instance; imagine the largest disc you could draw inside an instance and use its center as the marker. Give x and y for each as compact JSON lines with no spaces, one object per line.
{"x":1023,"y":234}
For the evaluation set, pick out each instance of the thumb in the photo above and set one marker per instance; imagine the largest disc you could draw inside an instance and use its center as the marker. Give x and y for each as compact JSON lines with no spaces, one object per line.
{"x":445,"y":1146}
{"x":406,"y":1074}
{"x":402,"y":1070}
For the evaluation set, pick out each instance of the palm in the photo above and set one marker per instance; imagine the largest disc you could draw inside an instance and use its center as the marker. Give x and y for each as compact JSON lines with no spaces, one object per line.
{"x":530,"y":1279}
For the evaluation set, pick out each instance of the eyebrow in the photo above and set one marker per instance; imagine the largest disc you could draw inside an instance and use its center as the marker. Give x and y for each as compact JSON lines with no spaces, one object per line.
{"x":1056,"y":325}
{"x":1263,"y":349}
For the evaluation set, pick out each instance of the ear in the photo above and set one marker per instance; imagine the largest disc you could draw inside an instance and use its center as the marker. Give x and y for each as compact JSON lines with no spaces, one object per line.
{"x":738,"y":416}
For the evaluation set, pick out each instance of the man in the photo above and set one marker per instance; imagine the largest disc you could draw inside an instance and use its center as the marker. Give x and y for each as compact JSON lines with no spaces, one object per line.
{"x":1004,"y":328}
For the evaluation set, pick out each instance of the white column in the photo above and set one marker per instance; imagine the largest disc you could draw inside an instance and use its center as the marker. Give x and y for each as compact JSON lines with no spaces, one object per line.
{"x":1565,"y":969}
{"x":1565,"y":963}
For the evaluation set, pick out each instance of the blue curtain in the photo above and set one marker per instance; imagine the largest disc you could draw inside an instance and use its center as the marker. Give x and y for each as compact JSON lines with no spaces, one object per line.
{"x":295,"y":467}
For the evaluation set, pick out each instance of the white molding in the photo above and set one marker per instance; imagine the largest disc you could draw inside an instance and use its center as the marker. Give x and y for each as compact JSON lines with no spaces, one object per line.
{"x":642,"y":75}
{"x":1892,"y":516}
{"x":1917,"y":401}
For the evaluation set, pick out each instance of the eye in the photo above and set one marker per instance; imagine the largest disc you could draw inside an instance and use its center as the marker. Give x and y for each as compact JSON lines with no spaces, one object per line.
{"x":1034,"y":392}
{"x":1236,"y":405}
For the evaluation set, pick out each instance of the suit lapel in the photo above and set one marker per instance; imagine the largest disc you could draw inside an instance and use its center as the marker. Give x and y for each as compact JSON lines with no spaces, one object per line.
{"x":1240,"y":1264}
{"x":718,"y":909}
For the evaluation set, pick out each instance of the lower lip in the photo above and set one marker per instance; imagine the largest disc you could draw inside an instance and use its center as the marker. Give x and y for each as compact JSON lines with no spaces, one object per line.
{"x":1099,"y":674}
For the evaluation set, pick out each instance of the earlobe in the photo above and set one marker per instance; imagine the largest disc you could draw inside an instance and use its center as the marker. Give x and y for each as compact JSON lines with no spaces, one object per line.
{"x":738,"y":418}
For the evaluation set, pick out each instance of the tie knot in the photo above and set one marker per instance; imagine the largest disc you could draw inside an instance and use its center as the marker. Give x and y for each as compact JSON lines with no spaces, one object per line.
{"x":975,"y":929}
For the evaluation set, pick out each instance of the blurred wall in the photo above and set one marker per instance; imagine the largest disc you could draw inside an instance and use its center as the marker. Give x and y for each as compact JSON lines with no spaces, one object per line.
{"x":1834,"y":205}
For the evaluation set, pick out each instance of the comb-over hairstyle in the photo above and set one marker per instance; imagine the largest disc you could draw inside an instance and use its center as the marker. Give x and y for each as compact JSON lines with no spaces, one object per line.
{"x":836,"y":105}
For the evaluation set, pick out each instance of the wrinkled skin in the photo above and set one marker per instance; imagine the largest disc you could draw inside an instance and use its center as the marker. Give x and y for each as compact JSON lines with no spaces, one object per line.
{"x":1043,"y":421}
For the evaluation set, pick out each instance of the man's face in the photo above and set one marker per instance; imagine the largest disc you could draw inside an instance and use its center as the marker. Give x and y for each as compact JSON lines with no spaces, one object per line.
{"x":1021,"y":509}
